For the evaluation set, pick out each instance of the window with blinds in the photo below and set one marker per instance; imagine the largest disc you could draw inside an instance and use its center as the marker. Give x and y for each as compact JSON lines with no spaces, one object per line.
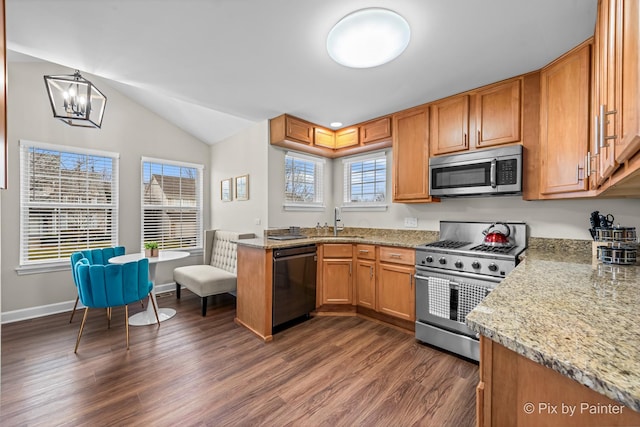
{"x":171,"y":204}
{"x":365,"y":180}
{"x":68,"y":201}
{"x":303,"y":177}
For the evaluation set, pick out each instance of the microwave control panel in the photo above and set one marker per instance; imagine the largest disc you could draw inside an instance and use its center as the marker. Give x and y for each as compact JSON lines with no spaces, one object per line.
{"x":507,"y":172}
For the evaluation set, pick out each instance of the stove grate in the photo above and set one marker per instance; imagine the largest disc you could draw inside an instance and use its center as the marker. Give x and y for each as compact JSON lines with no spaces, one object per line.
{"x":448,"y":244}
{"x":493,"y":249}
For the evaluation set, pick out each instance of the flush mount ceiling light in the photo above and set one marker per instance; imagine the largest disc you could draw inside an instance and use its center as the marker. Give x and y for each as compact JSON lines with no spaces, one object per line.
{"x":75,"y":100}
{"x":368,"y":37}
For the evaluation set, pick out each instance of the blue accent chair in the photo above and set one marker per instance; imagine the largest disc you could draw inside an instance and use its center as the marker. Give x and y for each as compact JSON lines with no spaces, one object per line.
{"x":95,"y":257}
{"x":112,"y":285}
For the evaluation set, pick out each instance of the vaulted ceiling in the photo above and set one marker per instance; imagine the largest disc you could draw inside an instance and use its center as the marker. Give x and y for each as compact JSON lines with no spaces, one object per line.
{"x":214,"y":67}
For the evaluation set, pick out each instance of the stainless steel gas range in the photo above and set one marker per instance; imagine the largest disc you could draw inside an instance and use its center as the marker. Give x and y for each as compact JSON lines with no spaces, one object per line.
{"x":455,"y":273}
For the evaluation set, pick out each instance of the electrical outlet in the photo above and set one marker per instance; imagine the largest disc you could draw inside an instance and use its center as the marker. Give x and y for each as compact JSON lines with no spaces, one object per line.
{"x":411,"y":222}
{"x":258,"y":221}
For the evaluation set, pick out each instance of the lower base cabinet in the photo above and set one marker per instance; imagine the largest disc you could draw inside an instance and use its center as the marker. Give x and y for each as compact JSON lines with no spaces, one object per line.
{"x":516,"y":391}
{"x":337,"y":273}
{"x":396,"y":290}
{"x":396,"y":293}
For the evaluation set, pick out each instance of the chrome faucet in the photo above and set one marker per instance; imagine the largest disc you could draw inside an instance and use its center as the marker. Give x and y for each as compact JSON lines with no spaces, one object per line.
{"x":337,"y":221}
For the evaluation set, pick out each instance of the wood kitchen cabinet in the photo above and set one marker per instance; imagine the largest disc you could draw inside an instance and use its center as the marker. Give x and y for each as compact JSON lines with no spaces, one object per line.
{"x":616,"y":90}
{"x":509,"y":381}
{"x":375,"y":130}
{"x":324,"y":137}
{"x":498,"y":113}
{"x":337,"y":273}
{"x":450,"y":125}
{"x":366,"y":276}
{"x":395,"y":287}
{"x":410,"y":171}
{"x":564,"y":122}
{"x":346,"y":137}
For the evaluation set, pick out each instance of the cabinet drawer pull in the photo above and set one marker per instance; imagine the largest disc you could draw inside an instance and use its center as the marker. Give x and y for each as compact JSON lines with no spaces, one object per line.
{"x":479,"y":136}
{"x":395,"y":255}
{"x":370,"y":271}
{"x":364,"y":251}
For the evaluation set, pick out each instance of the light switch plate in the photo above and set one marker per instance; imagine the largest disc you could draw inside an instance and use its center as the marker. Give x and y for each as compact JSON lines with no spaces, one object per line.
{"x":411,"y":222}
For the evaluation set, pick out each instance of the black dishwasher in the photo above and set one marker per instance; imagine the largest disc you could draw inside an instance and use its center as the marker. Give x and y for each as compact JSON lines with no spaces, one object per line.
{"x":294,"y":284}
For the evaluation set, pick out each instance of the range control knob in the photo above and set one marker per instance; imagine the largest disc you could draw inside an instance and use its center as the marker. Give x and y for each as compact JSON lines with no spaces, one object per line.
{"x":458,"y":264}
{"x":493,"y":267}
{"x":475,"y":264}
{"x":442,"y":260}
{"x":429,"y":259}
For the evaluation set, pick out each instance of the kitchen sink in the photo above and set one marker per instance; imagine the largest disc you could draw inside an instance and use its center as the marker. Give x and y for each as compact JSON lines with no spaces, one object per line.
{"x":341,"y":237}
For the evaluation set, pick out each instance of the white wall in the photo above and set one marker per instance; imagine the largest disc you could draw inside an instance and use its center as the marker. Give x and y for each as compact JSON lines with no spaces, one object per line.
{"x":242,"y":154}
{"x":128,"y":129}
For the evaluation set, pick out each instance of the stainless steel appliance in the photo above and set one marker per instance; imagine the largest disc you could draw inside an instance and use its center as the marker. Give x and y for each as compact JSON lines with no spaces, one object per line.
{"x":454,"y":274}
{"x":294,"y":284}
{"x":494,"y":171}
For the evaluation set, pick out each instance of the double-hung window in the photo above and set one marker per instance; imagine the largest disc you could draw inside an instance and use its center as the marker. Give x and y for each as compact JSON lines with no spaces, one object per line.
{"x":365,"y":181}
{"x":303,"y":179}
{"x":171,"y":204}
{"x":68,"y":201}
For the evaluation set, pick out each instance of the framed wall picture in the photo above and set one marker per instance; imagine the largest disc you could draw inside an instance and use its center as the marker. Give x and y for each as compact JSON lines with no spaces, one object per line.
{"x":226,"y":193}
{"x":242,"y":187}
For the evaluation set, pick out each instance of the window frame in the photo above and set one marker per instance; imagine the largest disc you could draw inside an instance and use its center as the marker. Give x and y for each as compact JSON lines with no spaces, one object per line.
{"x":319,"y":171}
{"x":347,"y":162}
{"x":199,"y":208}
{"x":27,"y":266}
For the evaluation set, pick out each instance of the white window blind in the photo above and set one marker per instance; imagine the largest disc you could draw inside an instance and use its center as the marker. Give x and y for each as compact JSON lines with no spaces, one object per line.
{"x":171,"y":204}
{"x":365,"y":180}
{"x":68,"y":201}
{"x":303,"y":178}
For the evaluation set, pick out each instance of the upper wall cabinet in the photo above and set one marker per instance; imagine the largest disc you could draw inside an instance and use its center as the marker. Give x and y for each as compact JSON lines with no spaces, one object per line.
{"x":617,"y":88}
{"x":494,"y":113}
{"x":450,"y":125}
{"x":296,"y":134}
{"x":564,"y":123}
{"x":376,"y":130}
{"x":346,"y":137}
{"x":498,"y":114}
{"x":324,"y":137}
{"x":410,"y":172}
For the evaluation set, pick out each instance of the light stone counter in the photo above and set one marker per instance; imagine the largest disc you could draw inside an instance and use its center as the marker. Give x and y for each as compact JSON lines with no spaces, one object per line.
{"x":369,"y":236}
{"x":577,"y":317}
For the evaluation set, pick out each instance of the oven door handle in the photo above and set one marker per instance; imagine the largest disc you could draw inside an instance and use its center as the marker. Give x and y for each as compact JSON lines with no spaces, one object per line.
{"x":452,"y":284}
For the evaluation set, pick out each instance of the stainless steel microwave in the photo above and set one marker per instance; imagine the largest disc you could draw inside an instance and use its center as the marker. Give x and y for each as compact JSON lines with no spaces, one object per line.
{"x":492,"y":171}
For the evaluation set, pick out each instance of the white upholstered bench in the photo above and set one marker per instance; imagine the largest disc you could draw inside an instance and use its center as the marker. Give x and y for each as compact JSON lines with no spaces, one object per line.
{"x":218,"y":273}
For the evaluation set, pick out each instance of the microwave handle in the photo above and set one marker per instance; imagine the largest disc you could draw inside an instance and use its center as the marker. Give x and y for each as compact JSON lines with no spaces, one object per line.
{"x":493,"y":173}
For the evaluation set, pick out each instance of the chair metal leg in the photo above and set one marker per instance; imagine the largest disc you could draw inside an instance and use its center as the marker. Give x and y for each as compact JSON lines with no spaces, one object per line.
{"x":155,"y":309}
{"x":126,"y":322}
{"x":108,"y":317}
{"x":178,"y":286}
{"x":74,"y":308}
{"x":84,"y":318}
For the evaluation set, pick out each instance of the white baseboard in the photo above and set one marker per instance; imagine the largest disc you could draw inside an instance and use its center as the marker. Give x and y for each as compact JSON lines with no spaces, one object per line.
{"x":60,"y":307}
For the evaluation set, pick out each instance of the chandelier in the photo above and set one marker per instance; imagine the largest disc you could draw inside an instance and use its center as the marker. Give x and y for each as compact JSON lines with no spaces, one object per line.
{"x":75,"y":100}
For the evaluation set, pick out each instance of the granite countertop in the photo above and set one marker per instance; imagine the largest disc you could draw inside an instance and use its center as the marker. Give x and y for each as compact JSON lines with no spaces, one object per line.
{"x":369,"y":236}
{"x":573,"y":315}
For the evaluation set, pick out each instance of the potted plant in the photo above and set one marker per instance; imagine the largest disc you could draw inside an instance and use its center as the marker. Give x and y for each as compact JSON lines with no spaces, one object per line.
{"x":151,"y":249}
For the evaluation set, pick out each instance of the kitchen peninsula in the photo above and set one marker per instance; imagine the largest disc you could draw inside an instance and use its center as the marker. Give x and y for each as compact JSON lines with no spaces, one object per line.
{"x":254,"y":292}
{"x":558,"y":335}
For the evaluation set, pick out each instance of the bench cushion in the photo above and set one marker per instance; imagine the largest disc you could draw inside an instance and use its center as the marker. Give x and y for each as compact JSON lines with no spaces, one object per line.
{"x":205,"y":280}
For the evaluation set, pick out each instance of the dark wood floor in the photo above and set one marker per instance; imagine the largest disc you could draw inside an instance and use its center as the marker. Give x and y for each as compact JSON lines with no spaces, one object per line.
{"x":333,"y":371}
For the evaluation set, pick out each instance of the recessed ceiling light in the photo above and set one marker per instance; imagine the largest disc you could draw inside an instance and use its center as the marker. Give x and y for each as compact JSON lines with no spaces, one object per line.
{"x":335,"y":124}
{"x":368,"y":37}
